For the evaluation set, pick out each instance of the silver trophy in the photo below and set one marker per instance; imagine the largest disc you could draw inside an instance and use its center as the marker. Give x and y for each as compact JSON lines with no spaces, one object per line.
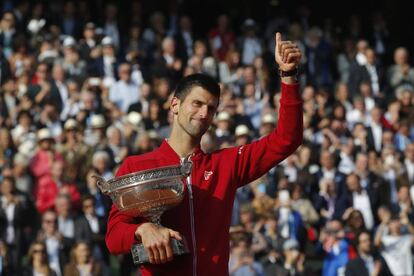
{"x":148,"y":194}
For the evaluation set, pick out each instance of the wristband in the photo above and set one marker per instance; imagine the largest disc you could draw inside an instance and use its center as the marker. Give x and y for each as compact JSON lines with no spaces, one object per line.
{"x":291,"y":73}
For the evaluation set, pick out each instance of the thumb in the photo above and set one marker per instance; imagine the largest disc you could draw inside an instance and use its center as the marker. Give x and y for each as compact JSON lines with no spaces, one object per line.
{"x":175,"y":235}
{"x":278,"y":40}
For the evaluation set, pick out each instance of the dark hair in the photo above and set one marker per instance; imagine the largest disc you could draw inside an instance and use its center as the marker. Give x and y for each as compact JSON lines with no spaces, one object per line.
{"x":88,"y":197}
{"x":206,"y":82}
{"x":360,"y":234}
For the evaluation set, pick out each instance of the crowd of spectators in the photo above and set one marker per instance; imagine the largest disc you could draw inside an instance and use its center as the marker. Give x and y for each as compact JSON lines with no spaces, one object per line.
{"x":78,"y":96}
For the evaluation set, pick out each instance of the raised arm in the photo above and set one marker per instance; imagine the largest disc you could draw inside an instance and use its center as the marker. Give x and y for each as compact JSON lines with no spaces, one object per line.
{"x":257,"y":158}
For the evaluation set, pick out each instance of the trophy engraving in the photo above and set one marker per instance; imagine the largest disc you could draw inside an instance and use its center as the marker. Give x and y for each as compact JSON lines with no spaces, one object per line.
{"x":149,"y":194}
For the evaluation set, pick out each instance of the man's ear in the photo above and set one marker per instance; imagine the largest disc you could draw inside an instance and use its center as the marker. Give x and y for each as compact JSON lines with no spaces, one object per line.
{"x":175,"y":104}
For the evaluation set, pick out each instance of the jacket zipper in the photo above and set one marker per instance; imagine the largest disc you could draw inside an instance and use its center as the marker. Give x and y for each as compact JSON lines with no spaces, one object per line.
{"x":193,"y":236}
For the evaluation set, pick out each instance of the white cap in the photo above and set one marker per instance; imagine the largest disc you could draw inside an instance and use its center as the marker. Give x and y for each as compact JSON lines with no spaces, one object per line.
{"x":241,"y":130}
{"x":69,"y":42}
{"x":44,"y":134}
{"x":153,"y":134}
{"x":98,"y":121}
{"x":249,"y":23}
{"x":70,"y":124}
{"x":107,"y":41}
{"x":134,"y":118}
{"x":21,"y":158}
{"x":27,"y":148}
{"x":223,"y":116}
{"x":268,"y":119}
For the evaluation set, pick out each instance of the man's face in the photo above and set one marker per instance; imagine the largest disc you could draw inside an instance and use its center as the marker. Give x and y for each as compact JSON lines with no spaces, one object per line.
{"x":195,"y":113}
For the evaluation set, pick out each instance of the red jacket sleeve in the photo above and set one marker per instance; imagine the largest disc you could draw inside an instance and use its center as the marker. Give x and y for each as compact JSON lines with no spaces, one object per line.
{"x":120,"y":234}
{"x":255,"y":159}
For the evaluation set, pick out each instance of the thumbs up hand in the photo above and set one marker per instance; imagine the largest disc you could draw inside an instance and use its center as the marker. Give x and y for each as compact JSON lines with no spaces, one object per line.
{"x":287,"y":54}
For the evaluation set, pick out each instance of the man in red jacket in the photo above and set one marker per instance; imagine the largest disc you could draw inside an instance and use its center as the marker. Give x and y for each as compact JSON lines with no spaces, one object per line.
{"x":204,"y":215}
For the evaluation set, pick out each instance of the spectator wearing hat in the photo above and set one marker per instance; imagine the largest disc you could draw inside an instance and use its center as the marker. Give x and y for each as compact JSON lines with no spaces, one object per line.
{"x":74,"y":67}
{"x":242,"y":135}
{"x":45,"y":156}
{"x":223,"y":130}
{"x":132,"y":125}
{"x":125,"y":91}
{"x":267,"y":124}
{"x":95,"y":133}
{"x":75,"y":152}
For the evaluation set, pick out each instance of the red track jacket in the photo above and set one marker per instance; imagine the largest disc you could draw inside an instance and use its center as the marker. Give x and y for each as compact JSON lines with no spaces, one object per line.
{"x":215,"y":178}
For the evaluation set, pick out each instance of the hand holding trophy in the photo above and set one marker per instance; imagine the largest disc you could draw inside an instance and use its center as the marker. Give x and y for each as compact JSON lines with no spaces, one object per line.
{"x":149,"y":194}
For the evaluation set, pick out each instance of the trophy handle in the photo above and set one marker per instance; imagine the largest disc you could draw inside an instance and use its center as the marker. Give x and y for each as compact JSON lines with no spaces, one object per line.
{"x":101,"y":183}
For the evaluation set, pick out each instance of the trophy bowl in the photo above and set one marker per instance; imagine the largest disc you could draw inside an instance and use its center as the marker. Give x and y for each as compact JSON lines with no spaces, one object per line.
{"x":148,"y":194}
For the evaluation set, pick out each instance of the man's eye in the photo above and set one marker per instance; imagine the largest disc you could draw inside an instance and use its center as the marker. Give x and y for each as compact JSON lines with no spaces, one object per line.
{"x":197,"y":104}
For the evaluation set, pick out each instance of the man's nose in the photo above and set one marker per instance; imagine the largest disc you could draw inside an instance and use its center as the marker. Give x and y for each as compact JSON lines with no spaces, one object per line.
{"x":203,"y":112}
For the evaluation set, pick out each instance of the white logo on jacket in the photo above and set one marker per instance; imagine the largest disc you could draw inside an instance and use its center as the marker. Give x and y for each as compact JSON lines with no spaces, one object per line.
{"x":207,"y":175}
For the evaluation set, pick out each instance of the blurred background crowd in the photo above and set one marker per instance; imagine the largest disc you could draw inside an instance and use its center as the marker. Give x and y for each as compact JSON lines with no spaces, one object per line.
{"x":86,"y":83}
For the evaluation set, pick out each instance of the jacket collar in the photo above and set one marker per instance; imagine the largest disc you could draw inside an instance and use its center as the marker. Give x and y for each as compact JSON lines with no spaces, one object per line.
{"x":170,"y":154}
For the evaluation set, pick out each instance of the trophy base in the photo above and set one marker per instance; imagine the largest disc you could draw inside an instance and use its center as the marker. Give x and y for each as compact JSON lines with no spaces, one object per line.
{"x":140,"y":256}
